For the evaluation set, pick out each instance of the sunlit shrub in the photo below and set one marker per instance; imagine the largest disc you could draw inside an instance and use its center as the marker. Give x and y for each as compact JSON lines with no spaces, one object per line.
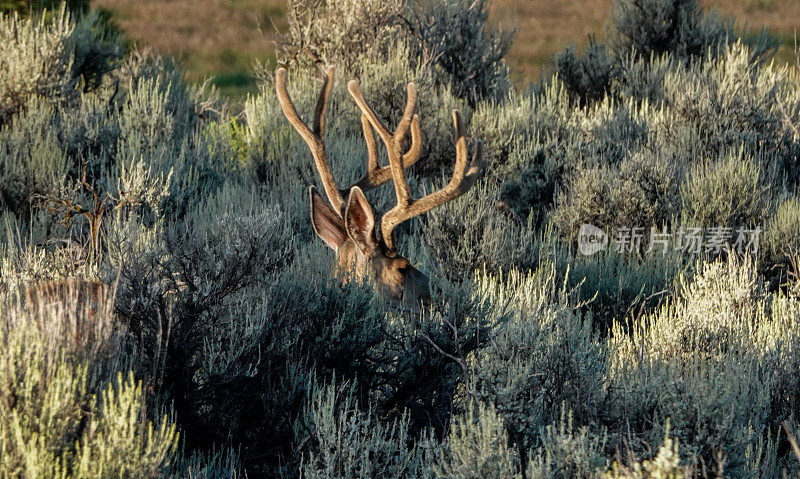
{"x":666,"y":463}
{"x":478,"y":447}
{"x":781,"y":237}
{"x":341,"y":33}
{"x":449,"y":39}
{"x":567,"y":451}
{"x":67,"y":409}
{"x":719,"y":336}
{"x":542,"y":360}
{"x":641,"y":191}
{"x":373,"y":449}
{"x":63,"y":57}
{"x":730,"y":192}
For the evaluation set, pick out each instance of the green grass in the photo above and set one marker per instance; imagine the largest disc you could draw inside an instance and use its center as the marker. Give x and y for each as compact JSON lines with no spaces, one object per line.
{"x":235,"y":85}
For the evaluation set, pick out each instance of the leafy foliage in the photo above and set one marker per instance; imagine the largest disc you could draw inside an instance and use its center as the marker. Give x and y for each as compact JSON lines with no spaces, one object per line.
{"x":65,"y":410}
{"x":61,"y":56}
{"x":222,"y":346}
{"x":450,"y":40}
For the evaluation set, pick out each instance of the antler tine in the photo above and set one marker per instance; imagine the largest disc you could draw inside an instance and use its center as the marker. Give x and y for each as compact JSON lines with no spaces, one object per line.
{"x":408,"y":113}
{"x":372,"y":149}
{"x":314,"y":139}
{"x":383,"y":131}
{"x":394,"y":140}
{"x":461,"y":181}
{"x":366,"y":110}
{"x":322,"y":102}
{"x":377,"y":175}
{"x":413,"y":153}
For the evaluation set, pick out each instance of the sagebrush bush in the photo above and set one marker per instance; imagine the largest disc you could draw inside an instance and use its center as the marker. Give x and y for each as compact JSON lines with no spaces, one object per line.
{"x":567,"y":452}
{"x":471,"y":233}
{"x":642,"y":37}
{"x":543,"y":359}
{"x":730,"y":192}
{"x":373,"y":449}
{"x":666,"y":463}
{"x":74,"y":156}
{"x":478,"y":447}
{"x":465,"y":51}
{"x":781,"y":240}
{"x":341,"y":33}
{"x":223,"y":345}
{"x":588,"y":78}
{"x":33,"y":161}
{"x":61,"y":56}
{"x":715,"y":336}
{"x":649,"y":27}
{"x":67,"y":409}
{"x":615,"y":285}
{"x":731,"y":103}
{"x":641,"y":191}
{"x":451,"y":40}
{"x":304,"y":322}
{"x":531,"y":192}
{"x":543,"y":118}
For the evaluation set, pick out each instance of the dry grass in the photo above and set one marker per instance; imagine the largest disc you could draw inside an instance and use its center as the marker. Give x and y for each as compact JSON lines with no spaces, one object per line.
{"x":781,"y":17}
{"x":211,"y":38}
{"x":222,"y":38}
{"x":546,"y":26}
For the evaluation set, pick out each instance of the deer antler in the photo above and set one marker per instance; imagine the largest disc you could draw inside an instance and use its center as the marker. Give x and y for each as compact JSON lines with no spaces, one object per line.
{"x":376,"y":175}
{"x":407,"y":207}
{"x":314,"y":139}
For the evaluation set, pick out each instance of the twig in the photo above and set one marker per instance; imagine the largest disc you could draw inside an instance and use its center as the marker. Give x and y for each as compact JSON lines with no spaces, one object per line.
{"x":792,"y":441}
{"x":788,"y":120}
{"x":444,"y":353}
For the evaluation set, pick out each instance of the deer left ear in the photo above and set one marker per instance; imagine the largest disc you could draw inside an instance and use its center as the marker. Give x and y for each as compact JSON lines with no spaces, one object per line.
{"x":359,"y":222}
{"x":327,"y":224}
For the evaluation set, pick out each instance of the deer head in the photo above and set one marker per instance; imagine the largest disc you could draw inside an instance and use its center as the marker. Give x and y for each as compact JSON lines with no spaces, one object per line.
{"x":346,"y":222}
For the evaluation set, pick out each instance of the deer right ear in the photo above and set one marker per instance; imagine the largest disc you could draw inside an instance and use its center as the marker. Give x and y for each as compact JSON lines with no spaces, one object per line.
{"x":327,"y":224}
{"x":359,"y":221}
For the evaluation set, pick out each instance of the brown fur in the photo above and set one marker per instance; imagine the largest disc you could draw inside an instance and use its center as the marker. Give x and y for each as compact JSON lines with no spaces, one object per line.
{"x":362,"y":257}
{"x":392,"y":275}
{"x":365,"y":251}
{"x":92,"y":295}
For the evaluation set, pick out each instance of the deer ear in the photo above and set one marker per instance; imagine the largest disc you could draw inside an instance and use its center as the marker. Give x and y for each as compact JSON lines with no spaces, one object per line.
{"x":359,"y":221}
{"x":327,"y":224}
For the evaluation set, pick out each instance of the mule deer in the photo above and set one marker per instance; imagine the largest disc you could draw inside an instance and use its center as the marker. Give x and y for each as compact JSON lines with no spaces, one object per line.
{"x":88,"y":294}
{"x":346,"y":223}
{"x":73,"y":309}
